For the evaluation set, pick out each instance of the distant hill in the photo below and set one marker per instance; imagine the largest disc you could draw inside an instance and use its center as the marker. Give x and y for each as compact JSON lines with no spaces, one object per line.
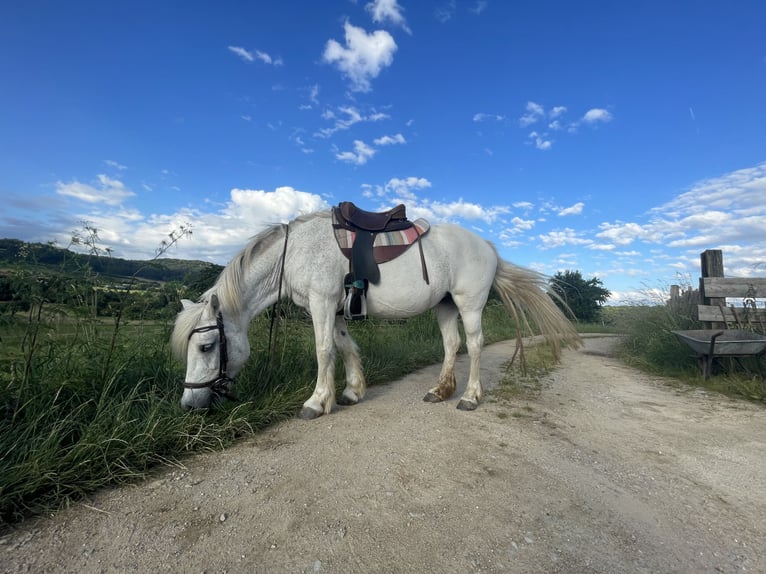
{"x":49,"y":258}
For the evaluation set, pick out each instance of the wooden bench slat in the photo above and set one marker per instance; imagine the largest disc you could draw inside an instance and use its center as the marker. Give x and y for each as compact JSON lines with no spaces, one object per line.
{"x":713,"y":314}
{"x":734,"y":286}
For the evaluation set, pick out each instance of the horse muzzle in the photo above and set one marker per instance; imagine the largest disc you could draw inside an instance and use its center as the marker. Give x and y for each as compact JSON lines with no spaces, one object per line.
{"x":219,"y":388}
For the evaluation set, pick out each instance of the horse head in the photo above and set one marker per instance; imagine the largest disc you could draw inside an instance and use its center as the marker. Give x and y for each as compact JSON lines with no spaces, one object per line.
{"x":214,"y":346}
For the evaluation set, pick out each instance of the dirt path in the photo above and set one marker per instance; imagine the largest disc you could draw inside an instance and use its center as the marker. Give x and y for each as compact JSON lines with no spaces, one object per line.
{"x":605,"y":470}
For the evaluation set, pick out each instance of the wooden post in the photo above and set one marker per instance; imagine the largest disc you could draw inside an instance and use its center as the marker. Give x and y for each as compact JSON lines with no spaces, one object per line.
{"x":675,"y":297}
{"x":711,"y":265}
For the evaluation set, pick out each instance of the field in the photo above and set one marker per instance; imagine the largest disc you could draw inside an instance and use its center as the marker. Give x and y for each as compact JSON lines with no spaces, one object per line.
{"x":91,"y":402}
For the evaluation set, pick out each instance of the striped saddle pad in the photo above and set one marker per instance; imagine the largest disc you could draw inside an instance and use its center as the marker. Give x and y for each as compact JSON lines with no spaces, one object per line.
{"x":387,"y":245}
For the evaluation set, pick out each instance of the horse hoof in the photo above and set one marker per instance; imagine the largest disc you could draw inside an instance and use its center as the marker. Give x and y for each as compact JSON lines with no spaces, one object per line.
{"x":346,"y":401}
{"x":307,"y":414}
{"x":432,"y":398}
{"x":465,"y":405}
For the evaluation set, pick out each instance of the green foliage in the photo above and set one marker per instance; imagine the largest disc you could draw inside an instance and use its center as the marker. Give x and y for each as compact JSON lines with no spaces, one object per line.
{"x":47,"y":259}
{"x":650,"y":345}
{"x":88,"y":403}
{"x":43,"y":274}
{"x":583,"y":297}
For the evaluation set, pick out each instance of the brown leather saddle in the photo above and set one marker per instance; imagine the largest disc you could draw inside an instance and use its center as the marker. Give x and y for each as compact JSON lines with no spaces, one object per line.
{"x":374,"y":222}
{"x":363,"y":266}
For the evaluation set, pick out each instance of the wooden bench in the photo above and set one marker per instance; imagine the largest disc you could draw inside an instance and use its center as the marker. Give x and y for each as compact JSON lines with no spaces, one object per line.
{"x":732,"y":330}
{"x":715,"y":288}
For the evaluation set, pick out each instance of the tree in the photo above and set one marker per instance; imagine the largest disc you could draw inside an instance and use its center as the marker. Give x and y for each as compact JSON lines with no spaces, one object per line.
{"x":584,"y":297}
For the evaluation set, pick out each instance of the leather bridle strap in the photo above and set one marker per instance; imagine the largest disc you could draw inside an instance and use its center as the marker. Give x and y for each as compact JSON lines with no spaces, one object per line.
{"x":220,"y":384}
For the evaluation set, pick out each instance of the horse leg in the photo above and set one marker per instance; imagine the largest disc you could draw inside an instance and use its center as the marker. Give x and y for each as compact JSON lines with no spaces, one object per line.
{"x":447,"y":316}
{"x":474,"y":341}
{"x":323,"y":398}
{"x":349,"y":352}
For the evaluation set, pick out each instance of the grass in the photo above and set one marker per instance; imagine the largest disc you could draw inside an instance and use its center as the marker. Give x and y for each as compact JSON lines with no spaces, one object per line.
{"x":90,"y":403}
{"x":650,"y":345}
{"x":520,"y":384}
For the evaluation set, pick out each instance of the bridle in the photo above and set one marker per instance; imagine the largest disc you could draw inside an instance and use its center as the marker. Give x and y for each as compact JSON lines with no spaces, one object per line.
{"x":220,"y":384}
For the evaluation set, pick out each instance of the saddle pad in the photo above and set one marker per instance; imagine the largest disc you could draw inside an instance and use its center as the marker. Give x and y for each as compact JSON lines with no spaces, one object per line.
{"x":388,"y":244}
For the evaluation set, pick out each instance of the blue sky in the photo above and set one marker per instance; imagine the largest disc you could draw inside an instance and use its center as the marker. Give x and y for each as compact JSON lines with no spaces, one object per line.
{"x":619,"y":139}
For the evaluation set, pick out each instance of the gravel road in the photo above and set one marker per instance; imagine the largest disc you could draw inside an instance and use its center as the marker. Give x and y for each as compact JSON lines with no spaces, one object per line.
{"x":603,"y":469}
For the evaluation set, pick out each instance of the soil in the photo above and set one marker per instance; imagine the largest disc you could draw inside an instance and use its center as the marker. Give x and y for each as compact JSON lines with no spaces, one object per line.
{"x":597,"y":468}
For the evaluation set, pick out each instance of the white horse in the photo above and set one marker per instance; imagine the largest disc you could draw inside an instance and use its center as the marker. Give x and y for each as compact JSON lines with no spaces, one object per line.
{"x":303,"y":261}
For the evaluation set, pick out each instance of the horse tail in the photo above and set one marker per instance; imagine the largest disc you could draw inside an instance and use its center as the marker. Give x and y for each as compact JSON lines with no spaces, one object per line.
{"x":528,"y":298}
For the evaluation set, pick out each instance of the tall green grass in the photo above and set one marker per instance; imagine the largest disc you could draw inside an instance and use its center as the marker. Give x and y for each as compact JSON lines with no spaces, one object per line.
{"x":87,"y":403}
{"x":650,"y":345}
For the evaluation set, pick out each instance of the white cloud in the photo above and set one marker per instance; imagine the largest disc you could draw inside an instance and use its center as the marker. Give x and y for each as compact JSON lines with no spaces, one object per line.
{"x":482,"y":117}
{"x":396,"y":190}
{"x":109,"y":191}
{"x":621,"y":233}
{"x":543,"y":144}
{"x":534,"y":112}
{"x":520,"y":225}
{"x":540,"y":141}
{"x":390,"y":140}
{"x":404,"y":190}
{"x":345,"y":118}
{"x":115,"y":165}
{"x":364,"y":56}
{"x":280,"y":205}
{"x":360,"y":156}
{"x":446,"y":11}
{"x":597,"y":115}
{"x":251,"y":56}
{"x":465,"y":210}
{"x":397,"y":185}
{"x":383,"y":11}
{"x":314,"y":94}
{"x":267,"y":59}
{"x":567,"y":236}
{"x":242,"y":53}
{"x":478,"y":7}
{"x":575,"y":209}
{"x":263,"y":57}
{"x":727,"y":210}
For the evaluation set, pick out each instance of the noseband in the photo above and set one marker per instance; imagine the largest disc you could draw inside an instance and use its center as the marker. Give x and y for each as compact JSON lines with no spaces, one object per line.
{"x":220,"y":384}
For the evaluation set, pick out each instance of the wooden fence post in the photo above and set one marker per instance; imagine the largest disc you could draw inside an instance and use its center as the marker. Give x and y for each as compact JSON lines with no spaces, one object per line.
{"x":711,"y":265}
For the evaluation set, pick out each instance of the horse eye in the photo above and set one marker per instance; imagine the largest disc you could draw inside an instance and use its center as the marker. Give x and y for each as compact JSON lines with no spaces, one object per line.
{"x":206,"y":348}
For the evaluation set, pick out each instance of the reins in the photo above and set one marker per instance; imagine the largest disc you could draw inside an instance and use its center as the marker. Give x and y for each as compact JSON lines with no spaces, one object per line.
{"x":278,"y":304}
{"x":219,"y":385}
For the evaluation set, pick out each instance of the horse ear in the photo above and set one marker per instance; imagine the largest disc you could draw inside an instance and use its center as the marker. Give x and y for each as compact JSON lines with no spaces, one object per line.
{"x":186,"y":303}
{"x":214,"y":302}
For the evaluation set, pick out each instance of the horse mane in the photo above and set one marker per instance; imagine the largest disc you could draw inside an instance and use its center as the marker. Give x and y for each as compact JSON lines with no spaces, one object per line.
{"x":229,"y":284}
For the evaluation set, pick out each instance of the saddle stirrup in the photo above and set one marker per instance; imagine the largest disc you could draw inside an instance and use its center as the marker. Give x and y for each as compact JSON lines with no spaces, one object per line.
{"x":355,"y":305}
